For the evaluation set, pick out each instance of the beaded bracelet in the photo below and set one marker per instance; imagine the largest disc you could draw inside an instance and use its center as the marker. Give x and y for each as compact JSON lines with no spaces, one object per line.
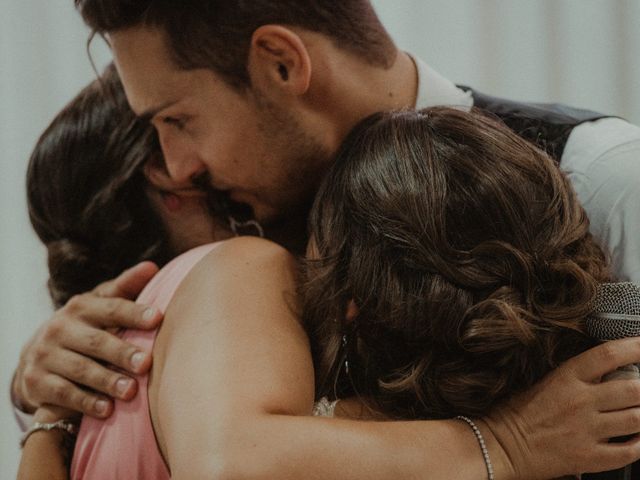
{"x":483,"y":445}
{"x":65,"y":426}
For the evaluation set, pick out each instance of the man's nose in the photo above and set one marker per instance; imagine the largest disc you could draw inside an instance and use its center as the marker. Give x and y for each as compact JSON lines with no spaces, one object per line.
{"x":185,"y":168}
{"x":181,"y":159}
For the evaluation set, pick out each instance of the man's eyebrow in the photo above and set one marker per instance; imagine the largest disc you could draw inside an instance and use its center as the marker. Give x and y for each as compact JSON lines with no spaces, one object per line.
{"x":149,"y":113}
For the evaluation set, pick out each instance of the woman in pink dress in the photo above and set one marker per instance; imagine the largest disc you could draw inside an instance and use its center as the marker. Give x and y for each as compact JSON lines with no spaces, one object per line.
{"x":232,"y":387}
{"x":91,"y":206}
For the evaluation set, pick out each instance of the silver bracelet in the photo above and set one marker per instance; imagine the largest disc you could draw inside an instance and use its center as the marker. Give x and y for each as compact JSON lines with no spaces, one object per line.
{"x":483,"y":445}
{"x":64,"y":425}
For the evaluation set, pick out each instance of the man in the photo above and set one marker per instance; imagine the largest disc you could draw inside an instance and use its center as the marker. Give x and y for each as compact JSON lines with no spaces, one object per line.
{"x":257,"y":97}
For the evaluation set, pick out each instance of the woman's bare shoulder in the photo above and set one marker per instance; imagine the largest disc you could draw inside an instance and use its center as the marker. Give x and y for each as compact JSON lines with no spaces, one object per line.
{"x":237,"y":270}
{"x":240,"y":249}
{"x":238,"y":302}
{"x":239,"y":260}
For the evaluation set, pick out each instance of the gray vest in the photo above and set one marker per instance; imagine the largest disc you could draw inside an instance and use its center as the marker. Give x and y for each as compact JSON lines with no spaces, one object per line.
{"x":548,"y":125}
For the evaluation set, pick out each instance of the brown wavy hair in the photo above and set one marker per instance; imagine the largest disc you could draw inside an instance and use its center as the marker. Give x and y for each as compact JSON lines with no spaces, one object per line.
{"x":467,"y":255}
{"x":86,"y":192}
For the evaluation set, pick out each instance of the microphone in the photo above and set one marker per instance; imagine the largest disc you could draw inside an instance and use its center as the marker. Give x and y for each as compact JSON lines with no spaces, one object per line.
{"x":616,"y":314}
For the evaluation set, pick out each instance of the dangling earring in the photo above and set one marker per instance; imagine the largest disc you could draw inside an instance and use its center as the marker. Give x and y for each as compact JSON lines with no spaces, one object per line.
{"x":235,"y":226}
{"x":350,"y":329}
{"x":345,"y":346}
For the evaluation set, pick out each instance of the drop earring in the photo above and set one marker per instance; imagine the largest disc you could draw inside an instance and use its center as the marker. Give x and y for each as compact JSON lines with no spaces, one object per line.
{"x":345,"y":346}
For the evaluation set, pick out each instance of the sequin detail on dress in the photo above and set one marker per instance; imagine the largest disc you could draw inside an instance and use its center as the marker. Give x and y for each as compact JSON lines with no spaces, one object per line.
{"x":324,"y":408}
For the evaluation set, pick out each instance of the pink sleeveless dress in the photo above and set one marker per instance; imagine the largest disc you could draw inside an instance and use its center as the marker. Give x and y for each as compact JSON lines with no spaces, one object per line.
{"x":124,"y":446}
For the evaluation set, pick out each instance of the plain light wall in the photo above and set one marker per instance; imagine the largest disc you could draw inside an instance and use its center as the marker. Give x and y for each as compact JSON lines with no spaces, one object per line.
{"x":43,"y":64}
{"x":580,"y":52}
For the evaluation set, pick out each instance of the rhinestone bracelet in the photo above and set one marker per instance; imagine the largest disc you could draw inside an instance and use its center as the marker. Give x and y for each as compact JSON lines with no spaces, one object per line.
{"x":483,"y":445}
{"x":66,"y":426}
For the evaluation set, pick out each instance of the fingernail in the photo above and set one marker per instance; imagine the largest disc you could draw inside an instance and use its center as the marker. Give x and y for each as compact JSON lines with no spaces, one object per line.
{"x":148,"y":314}
{"x":123,"y":385}
{"x":102,"y":406}
{"x":137,"y":359}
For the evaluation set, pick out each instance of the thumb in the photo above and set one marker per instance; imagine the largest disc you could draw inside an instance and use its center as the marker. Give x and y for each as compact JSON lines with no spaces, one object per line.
{"x":129,"y":283}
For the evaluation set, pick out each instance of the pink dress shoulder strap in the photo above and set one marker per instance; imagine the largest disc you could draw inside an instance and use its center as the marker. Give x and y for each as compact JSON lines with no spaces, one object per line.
{"x":124,"y":446}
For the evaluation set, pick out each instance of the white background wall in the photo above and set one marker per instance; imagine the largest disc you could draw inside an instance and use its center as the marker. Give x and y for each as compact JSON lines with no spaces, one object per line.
{"x":581,"y":52}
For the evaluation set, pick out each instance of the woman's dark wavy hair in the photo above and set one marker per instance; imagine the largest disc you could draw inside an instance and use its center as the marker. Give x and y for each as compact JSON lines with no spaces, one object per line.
{"x":86,"y":192}
{"x":467,"y":254}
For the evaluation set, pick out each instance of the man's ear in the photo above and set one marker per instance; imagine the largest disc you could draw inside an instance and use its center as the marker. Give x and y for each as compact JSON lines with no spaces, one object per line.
{"x":278,"y":58}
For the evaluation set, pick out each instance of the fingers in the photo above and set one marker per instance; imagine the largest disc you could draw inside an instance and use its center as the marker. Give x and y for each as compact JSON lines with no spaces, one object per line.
{"x":619,"y":423}
{"x":611,"y":456}
{"x":83,"y":371}
{"x":593,"y":364}
{"x":129,"y":283}
{"x":53,"y":366}
{"x":617,"y":395}
{"x":109,"y":312}
{"x":66,"y":353}
{"x":101,"y":345}
{"x":78,"y":328}
{"x":561,"y":426}
{"x":67,"y":395}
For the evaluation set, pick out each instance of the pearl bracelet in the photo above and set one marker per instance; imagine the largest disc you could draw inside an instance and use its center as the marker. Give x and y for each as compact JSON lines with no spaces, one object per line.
{"x":64,"y":425}
{"x":483,"y":445}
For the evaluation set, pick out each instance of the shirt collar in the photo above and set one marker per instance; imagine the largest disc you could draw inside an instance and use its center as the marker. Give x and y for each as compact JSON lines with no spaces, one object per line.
{"x":436,"y":90}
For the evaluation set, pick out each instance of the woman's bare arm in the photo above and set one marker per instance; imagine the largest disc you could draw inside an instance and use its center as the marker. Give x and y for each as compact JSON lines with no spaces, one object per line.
{"x":46,"y":453}
{"x":236,"y":386}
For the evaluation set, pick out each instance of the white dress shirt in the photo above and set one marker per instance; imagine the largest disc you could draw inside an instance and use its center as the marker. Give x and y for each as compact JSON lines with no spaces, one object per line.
{"x":602,"y":160}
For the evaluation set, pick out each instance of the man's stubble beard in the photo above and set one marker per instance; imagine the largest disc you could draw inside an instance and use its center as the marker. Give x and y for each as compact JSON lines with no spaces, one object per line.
{"x":301,"y":162}
{"x":300,"y":165}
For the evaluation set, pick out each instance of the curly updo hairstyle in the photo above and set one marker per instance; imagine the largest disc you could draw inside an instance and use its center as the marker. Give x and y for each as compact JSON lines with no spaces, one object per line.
{"x":86,"y":192}
{"x":467,"y":255}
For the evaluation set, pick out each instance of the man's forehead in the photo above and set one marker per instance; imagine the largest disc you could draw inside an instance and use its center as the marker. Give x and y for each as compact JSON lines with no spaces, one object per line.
{"x":150,"y":79}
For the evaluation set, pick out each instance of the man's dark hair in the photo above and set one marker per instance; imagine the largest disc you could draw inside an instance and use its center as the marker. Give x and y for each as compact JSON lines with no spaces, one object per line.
{"x":216,"y":34}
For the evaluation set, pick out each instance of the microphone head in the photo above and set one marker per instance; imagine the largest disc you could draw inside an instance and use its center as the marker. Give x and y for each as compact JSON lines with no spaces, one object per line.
{"x":616,"y":311}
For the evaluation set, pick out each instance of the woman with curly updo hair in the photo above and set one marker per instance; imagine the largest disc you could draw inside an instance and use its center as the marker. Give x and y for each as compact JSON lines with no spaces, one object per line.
{"x":93,"y":207}
{"x":453,"y":266}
